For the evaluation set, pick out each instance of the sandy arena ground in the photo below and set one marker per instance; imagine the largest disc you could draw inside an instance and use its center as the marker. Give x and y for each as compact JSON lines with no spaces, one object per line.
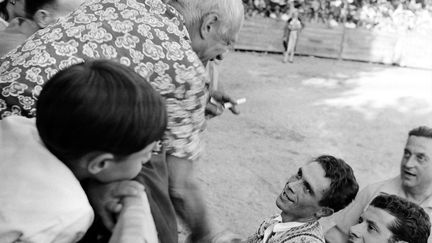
{"x":294,"y":112}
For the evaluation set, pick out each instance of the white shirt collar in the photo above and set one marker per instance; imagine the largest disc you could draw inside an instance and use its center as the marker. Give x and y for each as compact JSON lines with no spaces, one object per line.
{"x":280,"y":227}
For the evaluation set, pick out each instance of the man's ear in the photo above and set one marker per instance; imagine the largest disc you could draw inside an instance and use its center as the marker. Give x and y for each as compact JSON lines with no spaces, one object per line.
{"x":208,"y":25}
{"x":42,"y":18}
{"x":98,"y":163}
{"x":324,"y":212}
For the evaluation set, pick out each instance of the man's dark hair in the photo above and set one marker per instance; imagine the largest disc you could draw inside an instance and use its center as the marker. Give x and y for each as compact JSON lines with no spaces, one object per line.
{"x":422,"y":131}
{"x":32,"y":6}
{"x":343,"y":186}
{"x":99,"y":106}
{"x":412,"y":222}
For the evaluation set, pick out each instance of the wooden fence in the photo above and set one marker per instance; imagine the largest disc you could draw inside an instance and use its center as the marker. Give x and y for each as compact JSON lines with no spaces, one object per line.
{"x":411,"y":50}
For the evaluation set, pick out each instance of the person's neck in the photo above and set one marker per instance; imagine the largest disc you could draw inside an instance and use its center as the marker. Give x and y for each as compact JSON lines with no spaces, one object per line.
{"x":291,"y":218}
{"x":417,"y":194}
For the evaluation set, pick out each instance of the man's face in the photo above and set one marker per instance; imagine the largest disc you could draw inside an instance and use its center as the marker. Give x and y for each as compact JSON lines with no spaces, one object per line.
{"x":217,"y":45}
{"x":416,"y":165}
{"x":303,"y":191}
{"x":372,"y":227}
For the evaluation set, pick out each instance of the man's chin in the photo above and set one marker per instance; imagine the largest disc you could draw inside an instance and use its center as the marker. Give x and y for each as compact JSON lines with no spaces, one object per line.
{"x":408,"y":182}
{"x":279,"y":202}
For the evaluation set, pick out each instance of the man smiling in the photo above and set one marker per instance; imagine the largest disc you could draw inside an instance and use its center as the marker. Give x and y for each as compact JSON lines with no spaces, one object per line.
{"x":321,"y":187}
{"x":414,"y":184}
{"x":390,"y":218}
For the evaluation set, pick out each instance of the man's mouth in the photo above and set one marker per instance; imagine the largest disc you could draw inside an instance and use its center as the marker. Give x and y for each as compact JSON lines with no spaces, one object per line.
{"x":351,"y":239}
{"x":408,"y":173}
{"x":285,"y":195}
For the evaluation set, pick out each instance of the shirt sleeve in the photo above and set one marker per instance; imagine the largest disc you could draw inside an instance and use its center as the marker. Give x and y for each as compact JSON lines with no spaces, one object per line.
{"x":185,"y":108}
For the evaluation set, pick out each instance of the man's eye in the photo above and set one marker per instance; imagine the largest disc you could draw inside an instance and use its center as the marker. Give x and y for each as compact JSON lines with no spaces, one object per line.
{"x":306,"y":188}
{"x":406,"y":154}
{"x":370,"y":228}
{"x":360,"y":220}
{"x":421,"y":158}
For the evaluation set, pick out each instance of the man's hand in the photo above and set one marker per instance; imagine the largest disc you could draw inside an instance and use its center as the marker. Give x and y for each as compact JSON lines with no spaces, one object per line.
{"x":106,"y":198}
{"x":215,"y":106}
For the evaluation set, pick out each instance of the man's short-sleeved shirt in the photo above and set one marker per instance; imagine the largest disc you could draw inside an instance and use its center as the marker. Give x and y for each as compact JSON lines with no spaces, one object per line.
{"x":146,"y":35}
{"x":350,"y":215}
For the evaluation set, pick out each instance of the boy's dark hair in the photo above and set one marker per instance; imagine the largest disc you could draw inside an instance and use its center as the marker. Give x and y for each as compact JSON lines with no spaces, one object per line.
{"x":32,"y":6}
{"x":343,"y":186}
{"x":422,"y":131}
{"x":412,"y":222}
{"x":99,"y":106}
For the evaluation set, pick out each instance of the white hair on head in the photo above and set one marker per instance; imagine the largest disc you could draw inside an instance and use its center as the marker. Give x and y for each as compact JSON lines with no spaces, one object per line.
{"x":231,"y":12}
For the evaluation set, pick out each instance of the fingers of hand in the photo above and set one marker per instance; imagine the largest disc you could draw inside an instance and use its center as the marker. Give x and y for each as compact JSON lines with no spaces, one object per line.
{"x":215,"y":109}
{"x":114,"y":206}
{"x":235,"y":110}
{"x":127,"y":188}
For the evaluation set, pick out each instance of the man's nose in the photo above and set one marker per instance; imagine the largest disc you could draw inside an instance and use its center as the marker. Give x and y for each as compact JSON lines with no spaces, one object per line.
{"x":411,"y":162}
{"x":355,"y":231}
{"x":293,"y":185}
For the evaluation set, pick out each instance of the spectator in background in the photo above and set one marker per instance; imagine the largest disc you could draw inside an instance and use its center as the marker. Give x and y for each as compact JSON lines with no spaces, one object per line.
{"x":291,"y":32}
{"x":10,"y":9}
{"x":39,"y":14}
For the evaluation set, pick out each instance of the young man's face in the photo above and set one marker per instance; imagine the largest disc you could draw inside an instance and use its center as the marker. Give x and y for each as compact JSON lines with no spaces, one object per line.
{"x":303,"y":191}
{"x":372,"y":227}
{"x":416,"y":165}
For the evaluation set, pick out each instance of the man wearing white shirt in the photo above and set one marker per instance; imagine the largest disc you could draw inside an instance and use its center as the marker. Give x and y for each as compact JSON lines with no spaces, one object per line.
{"x":321,"y":187}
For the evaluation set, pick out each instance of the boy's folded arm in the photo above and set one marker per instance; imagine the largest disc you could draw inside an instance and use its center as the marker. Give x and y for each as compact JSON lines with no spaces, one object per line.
{"x":106,"y":198}
{"x":135,"y":223}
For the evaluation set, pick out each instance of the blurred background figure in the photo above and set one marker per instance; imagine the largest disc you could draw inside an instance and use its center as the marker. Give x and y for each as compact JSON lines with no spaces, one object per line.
{"x":10,"y":9}
{"x":30,"y":16}
{"x":291,"y":32}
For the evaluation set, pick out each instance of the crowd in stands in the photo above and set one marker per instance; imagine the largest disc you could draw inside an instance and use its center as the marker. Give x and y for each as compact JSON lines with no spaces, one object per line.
{"x":382,"y":15}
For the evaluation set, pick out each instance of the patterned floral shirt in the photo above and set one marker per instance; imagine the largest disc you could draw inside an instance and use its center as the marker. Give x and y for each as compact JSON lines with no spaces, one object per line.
{"x":146,"y":35}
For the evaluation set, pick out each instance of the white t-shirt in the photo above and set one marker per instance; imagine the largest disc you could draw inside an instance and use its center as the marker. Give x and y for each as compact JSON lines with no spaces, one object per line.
{"x":41,"y":201}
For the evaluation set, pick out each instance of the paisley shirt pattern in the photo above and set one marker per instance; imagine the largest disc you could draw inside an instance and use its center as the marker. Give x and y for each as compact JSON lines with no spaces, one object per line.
{"x":146,"y":35}
{"x":310,"y":232}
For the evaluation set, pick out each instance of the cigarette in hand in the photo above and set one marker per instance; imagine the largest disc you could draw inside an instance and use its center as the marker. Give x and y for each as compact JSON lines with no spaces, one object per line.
{"x":240,"y":101}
